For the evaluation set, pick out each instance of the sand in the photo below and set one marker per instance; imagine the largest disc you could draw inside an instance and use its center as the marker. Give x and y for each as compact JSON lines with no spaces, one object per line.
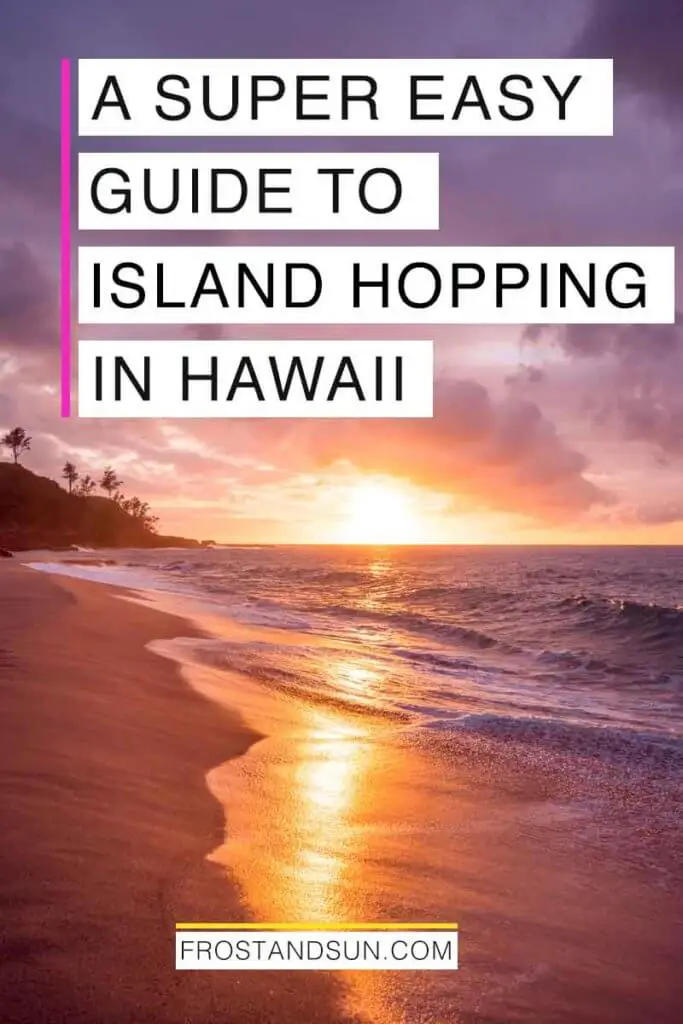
{"x":118,"y":774}
{"x":107,"y":821}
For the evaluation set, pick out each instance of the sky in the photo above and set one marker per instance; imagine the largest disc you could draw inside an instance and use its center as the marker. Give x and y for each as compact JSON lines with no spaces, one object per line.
{"x":540,"y":435}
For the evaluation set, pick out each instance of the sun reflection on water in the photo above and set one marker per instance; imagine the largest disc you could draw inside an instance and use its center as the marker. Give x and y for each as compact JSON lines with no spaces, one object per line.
{"x":307,"y":804}
{"x":354,"y":680}
{"x":327,"y":784}
{"x":299,"y":859}
{"x":304,"y":809}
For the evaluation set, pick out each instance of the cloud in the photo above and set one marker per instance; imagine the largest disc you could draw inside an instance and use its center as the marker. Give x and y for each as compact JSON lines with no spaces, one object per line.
{"x":506,"y":454}
{"x":7,"y":411}
{"x":525,"y":376}
{"x":649,"y":512}
{"x":28,"y":301}
{"x":659,"y":514}
{"x":644,"y":38}
{"x":639,"y":387}
{"x":30,"y":158}
{"x":502,"y":455}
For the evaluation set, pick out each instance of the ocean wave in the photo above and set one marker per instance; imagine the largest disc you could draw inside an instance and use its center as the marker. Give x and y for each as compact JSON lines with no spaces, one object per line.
{"x":589,"y":637}
{"x":442,"y":660}
{"x":650,"y":622}
{"x":462,"y":597}
{"x":602,"y":742}
{"x":412,"y":622}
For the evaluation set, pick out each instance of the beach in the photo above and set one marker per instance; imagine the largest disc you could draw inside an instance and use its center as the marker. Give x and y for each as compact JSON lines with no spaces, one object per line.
{"x":107,"y":821}
{"x":143,"y":784}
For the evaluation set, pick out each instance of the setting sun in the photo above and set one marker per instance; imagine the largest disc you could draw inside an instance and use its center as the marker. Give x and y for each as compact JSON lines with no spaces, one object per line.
{"x":381,"y":513}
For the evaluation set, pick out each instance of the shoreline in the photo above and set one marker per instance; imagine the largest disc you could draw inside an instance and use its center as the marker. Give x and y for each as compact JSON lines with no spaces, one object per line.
{"x":333,"y":817}
{"x":109,"y":822}
{"x":361,"y":792}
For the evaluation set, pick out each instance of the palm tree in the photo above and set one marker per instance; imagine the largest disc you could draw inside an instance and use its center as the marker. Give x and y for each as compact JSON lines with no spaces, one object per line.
{"x":141,"y":511}
{"x":18,"y":441}
{"x":110,"y":483}
{"x":86,"y":486}
{"x":70,"y":474}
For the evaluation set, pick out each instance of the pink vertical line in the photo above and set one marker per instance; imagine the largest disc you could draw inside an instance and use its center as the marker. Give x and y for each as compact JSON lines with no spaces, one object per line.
{"x":65,"y":293}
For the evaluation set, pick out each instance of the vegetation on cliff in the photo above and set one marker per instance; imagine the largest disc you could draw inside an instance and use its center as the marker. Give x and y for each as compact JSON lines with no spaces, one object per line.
{"x":35,"y":512}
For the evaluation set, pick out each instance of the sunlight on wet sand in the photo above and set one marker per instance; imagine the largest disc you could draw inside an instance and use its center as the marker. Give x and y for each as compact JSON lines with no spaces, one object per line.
{"x":315,"y":853}
{"x":310,"y":809}
{"x":339,"y":817}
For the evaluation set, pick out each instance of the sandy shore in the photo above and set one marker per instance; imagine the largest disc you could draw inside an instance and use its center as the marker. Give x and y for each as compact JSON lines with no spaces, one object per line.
{"x":107,"y":821}
{"x":561,"y":871}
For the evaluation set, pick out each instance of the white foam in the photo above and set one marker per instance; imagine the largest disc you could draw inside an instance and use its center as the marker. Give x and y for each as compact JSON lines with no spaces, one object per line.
{"x":114,"y":575}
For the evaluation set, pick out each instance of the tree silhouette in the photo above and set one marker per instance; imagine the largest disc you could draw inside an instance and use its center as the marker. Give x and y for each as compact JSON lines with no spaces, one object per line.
{"x":18,"y":441}
{"x":86,"y":486}
{"x":110,"y":483}
{"x":141,"y":511}
{"x":70,"y":474}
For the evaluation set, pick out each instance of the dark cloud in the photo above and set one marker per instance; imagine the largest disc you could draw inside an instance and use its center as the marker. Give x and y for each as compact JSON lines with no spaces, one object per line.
{"x":644,"y":38}
{"x":626,"y":342}
{"x":30,"y":158}
{"x":638,"y":381}
{"x":28,"y":301}
{"x":525,"y":376}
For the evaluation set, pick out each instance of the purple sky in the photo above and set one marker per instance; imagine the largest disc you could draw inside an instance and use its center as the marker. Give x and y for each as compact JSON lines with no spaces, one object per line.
{"x":546,"y":434}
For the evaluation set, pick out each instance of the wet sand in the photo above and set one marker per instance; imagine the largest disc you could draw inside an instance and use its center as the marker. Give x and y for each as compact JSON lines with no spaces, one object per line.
{"x":107,"y":822}
{"x":570,"y":909}
{"x":562,"y":869}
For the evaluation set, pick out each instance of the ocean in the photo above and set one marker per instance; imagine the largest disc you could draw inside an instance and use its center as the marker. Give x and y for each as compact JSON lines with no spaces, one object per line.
{"x":578,"y":645}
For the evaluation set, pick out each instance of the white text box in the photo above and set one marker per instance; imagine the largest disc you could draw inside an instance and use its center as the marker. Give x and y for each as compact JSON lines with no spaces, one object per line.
{"x":333,"y":949}
{"x":247,"y":191}
{"x":376,"y":285}
{"x":345,"y":97}
{"x":256,"y":379}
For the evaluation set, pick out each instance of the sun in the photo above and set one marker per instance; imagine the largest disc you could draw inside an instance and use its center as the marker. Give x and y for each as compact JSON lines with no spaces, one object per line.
{"x":376,"y":512}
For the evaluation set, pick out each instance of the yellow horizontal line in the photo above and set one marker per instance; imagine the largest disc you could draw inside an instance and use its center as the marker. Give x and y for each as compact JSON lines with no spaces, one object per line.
{"x":205,"y":926}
